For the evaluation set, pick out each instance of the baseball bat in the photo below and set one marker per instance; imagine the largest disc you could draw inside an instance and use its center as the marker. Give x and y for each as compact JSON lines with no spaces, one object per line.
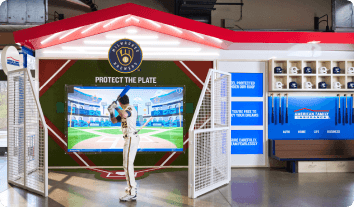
{"x":144,"y":124}
{"x":346,"y":108}
{"x":352,"y":108}
{"x":286,"y":119}
{"x":339,"y":120}
{"x":280,"y":109}
{"x":272,"y":108}
{"x":125,"y":90}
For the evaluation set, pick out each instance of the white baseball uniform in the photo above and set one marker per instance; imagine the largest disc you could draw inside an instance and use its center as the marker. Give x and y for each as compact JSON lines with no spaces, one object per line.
{"x":131,"y":143}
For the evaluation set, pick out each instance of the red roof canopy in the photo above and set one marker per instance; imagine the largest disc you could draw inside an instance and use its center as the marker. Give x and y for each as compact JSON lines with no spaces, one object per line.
{"x":161,"y":22}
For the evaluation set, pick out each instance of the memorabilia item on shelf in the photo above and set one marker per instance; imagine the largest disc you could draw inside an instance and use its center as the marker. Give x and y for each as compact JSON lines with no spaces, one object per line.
{"x":337,"y":85}
{"x":293,"y":85}
{"x":308,"y":85}
{"x":322,"y":85}
{"x":278,"y":70}
{"x":351,"y":70}
{"x":336,"y":70}
{"x":323,"y":70}
{"x":294,"y":70}
{"x":350,"y":85}
{"x":308,"y":70}
{"x":279,"y":85}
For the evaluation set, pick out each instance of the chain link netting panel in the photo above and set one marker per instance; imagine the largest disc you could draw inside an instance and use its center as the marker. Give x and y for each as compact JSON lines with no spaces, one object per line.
{"x":211,"y":145}
{"x":26,"y":134}
{"x":211,"y":158}
{"x":35,"y":173}
{"x":221,"y":100}
{"x":16,"y":130}
{"x":204,"y":114}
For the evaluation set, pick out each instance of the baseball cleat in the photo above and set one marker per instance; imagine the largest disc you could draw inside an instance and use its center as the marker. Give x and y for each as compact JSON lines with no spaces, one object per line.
{"x":128,"y":198}
{"x":127,"y":191}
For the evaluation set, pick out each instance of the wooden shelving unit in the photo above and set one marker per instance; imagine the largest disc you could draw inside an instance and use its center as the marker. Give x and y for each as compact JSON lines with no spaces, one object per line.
{"x":286,"y":77}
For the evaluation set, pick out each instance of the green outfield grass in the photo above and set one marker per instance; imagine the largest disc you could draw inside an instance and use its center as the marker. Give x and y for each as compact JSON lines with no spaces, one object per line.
{"x":162,"y":127}
{"x":115,"y":131}
{"x":75,"y":136}
{"x":119,"y":131}
{"x":175,"y":136}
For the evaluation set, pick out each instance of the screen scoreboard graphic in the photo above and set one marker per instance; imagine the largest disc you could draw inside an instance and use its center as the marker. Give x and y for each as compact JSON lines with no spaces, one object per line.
{"x":91,"y":130}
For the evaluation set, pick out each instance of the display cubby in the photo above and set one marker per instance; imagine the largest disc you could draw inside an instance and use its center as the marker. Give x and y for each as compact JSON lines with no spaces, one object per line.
{"x":326,"y":79}
{"x":311,"y":79}
{"x":282,"y":79}
{"x":350,"y":78}
{"x":297,"y":79}
{"x":297,"y":64}
{"x":341,"y":80}
{"x":315,"y":77}
{"x":340,"y":64}
{"x":283,"y":65}
{"x":350,"y":64}
{"x":324,"y":64}
{"x":311,"y":64}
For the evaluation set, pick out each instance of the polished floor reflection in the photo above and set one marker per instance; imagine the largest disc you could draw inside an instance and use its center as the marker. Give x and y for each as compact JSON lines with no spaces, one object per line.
{"x":249,"y":187}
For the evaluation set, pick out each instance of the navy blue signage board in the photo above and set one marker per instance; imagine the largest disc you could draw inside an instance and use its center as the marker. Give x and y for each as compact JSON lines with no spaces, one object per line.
{"x":311,"y":118}
{"x":247,"y":142}
{"x":247,"y":84}
{"x":246,"y":113}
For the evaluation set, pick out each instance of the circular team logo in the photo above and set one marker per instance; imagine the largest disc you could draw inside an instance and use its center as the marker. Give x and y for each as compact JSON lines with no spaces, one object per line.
{"x":125,"y":56}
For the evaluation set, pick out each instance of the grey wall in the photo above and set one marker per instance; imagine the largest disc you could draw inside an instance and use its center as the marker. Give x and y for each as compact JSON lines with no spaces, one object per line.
{"x":274,"y":14}
{"x":70,"y":10}
{"x":257,"y":14}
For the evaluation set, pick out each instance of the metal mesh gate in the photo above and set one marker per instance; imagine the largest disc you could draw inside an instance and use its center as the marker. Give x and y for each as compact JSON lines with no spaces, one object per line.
{"x":210,"y":136}
{"x":27,"y":135}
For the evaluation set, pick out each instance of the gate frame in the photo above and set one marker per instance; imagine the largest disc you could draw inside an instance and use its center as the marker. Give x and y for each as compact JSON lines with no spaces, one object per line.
{"x":191,"y":153}
{"x":29,"y":78}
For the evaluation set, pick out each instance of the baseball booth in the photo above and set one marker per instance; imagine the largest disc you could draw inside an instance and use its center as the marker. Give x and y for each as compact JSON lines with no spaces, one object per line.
{"x":194,"y":111}
{"x":175,"y":87}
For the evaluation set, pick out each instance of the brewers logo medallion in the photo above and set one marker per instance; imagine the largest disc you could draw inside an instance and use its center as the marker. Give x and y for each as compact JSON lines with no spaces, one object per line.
{"x":125,"y":56}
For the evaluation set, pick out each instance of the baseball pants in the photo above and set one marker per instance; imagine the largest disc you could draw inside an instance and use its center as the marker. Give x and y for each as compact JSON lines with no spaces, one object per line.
{"x":131,"y":144}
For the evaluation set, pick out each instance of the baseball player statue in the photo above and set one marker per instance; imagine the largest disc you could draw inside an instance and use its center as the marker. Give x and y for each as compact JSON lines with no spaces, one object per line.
{"x":127,"y":117}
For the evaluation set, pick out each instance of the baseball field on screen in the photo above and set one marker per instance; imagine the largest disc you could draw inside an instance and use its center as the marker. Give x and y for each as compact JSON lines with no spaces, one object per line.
{"x":90,"y":128}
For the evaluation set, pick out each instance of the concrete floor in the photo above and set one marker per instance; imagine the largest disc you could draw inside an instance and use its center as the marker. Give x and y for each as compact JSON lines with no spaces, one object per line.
{"x":249,"y":187}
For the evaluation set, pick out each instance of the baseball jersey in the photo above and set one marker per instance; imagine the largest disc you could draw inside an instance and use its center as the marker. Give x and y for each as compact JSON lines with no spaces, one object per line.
{"x":129,"y":124}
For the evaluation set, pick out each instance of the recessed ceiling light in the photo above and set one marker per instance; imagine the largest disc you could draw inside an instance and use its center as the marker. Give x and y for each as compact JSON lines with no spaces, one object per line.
{"x":111,"y":22}
{"x":176,"y":29}
{"x":86,"y":30}
{"x":314,"y":42}
{"x":69,"y":33}
{"x":154,"y":23}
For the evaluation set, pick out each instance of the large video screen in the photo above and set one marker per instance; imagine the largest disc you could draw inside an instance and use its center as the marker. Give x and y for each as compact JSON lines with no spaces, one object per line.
{"x":90,"y":128}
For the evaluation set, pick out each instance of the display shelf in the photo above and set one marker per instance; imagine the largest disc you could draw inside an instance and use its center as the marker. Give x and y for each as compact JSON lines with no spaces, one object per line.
{"x":311,"y":64}
{"x":315,"y":77}
{"x":324,"y":64}
{"x":341,"y":65}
